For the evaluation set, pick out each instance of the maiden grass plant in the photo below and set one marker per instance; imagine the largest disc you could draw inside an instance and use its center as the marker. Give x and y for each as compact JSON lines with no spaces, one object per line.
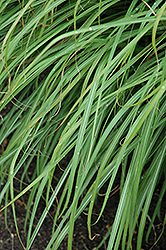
{"x":87,"y":77}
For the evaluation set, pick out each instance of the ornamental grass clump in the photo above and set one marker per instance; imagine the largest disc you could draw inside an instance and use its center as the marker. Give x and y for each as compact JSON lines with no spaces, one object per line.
{"x":87,"y":77}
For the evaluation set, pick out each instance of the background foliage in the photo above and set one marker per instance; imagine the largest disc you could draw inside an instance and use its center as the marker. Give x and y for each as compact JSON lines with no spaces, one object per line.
{"x":89,"y":78}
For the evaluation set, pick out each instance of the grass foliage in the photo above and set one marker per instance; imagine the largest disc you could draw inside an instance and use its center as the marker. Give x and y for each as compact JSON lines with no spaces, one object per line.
{"x":87,"y":77}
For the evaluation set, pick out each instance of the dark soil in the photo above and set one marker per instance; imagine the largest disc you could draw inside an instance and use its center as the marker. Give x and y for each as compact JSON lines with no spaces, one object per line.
{"x":9,"y":238}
